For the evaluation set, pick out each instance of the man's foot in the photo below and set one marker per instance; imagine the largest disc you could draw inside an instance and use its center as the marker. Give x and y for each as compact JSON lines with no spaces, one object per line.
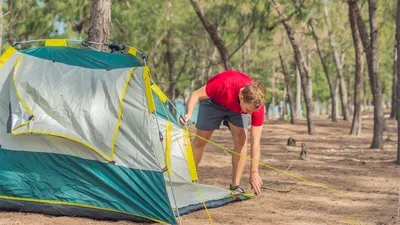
{"x":236,"y":188}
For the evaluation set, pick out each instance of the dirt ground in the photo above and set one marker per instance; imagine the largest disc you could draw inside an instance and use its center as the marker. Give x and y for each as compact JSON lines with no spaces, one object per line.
{"x":335,"y":159}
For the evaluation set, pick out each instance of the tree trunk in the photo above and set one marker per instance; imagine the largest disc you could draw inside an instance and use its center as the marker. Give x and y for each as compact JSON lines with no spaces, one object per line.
{"x":393,"y":113}
{"x":398,"y":79}
{"x":379,"y":122}
{"x":289,"y":90}
{"x":170,"y":61}
{"x":100,"y":19}
{"x":337,"y":95}
{"x":338,"y":64}
{"x":211,"y":28}
{"x":326,"y":70}
{"x":356,"y":124}
{"x":303,"y":72}
{"x":298,"y":93}
{"x":371,"y":49}
{"x":273,"y":102}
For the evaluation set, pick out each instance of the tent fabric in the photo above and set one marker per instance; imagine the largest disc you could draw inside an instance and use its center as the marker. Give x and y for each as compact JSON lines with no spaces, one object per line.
{"x":84,"y":58}
{"x":77,"y":138}
{"x":68,"y":210}
{"x":56,"y":178}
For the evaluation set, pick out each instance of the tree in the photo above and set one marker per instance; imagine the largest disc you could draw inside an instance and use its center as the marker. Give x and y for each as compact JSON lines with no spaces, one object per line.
{"x":398,"y":79}
{"x":356,"y":124}
{"x":377,"y":141}
{"x":100,"y":19}
{"x":326,"y":71}
{"x":305,"y":77}
{"x":370,"y":44}
{"x":289,"y":90}
{"x":339,"y":63}
{"x":393,"y":112}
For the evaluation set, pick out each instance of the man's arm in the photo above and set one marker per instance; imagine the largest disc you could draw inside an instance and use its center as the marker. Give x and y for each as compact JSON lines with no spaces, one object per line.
{"x":197,"y":95}
{"x":255,"y":179}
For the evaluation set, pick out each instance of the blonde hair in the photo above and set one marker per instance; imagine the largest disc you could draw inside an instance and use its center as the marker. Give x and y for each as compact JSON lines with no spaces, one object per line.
{"x":254,"y":94}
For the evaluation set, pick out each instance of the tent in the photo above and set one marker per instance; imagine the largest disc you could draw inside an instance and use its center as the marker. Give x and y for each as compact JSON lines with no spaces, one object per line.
{"x":87,"y":133}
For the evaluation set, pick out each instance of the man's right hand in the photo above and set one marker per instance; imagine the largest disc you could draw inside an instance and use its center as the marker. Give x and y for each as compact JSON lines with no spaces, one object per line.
{"x":187,"y":119}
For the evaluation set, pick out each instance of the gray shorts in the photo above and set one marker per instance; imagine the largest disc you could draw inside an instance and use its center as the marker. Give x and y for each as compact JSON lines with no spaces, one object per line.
{"x":211,"y":115}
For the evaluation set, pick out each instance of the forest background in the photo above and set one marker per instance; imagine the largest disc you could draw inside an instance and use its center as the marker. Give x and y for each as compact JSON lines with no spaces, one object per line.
{"x":313,"y":56}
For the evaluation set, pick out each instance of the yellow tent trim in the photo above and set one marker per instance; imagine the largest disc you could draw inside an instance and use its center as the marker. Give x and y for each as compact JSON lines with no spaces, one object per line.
{"x":55,"y":42}
{"x":189,"y":155}
{"x":168,"y":140}
{"x":6,"y":55}
{"x":75,"y":204}
{"x":120,"y":113}
{"x":15,"y":86}
{"x":149,"y":93}
{"x":159,"y":93}
{"x":132,"y":51}
{"x":62,"y":136}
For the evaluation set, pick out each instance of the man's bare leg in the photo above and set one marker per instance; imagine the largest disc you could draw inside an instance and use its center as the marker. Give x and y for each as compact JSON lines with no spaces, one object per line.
{"x":239,"y":136}
{"x":198,"y":144}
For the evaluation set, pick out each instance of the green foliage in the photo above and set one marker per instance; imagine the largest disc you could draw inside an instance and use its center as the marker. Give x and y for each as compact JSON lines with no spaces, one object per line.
{"x":144,"y":24}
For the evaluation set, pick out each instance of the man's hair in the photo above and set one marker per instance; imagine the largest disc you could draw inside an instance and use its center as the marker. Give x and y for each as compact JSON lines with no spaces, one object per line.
{"x":254,"y":94}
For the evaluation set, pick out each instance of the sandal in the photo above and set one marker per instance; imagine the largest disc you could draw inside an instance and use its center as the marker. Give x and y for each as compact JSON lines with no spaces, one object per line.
{"x":236,"y":187}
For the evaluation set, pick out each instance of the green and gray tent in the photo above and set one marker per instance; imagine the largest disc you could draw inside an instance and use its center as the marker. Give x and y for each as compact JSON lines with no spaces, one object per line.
{"x":87,"y":133}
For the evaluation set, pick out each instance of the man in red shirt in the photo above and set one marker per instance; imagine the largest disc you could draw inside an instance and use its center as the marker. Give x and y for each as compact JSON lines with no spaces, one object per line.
{"x":229,"y":97}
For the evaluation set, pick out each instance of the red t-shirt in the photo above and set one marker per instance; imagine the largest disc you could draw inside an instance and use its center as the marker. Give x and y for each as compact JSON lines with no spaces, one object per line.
{"x":224,"y":89}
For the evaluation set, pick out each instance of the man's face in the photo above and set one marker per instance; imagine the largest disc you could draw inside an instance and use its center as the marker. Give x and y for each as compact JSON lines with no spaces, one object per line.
{"x":248,"y":107}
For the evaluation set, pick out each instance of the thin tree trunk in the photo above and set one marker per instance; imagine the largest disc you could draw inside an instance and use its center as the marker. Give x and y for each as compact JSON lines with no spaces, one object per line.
{"x":170,"y":61}
{"x":326,"y":70}
{"x":298,"y":93}
{"x":379,"y":122}
{"x":100,"y":19}
{"x":308,"y":68}
{"x":337,"y":95}
{"x":350,"y":95}
{"x":398,"y":79}
{"x":210,"y":64}
{"x":289,"y":90}
{"x":303,"y":72}
{"x":211,"y":28}
{"x":338,"y":64}
{"x":273,"y":102}
{"x":393,"y":113}
{"x":356,"y":124}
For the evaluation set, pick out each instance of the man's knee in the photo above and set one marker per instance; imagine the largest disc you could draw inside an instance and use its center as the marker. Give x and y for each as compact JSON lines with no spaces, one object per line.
{"x":198,"y":143}
{"x":240,"y":138}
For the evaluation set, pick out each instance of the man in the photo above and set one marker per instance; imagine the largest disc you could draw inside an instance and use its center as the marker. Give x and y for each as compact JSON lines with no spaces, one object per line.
{"x":230,"y":97}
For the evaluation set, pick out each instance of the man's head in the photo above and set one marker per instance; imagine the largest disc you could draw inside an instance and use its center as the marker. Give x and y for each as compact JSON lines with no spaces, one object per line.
{"x":252,"y":97}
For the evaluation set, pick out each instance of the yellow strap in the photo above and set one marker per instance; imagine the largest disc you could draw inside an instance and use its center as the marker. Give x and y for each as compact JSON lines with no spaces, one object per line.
{"x":159,"y":93}
{"x":168,"y":140}
{"x":120,"y":113}
{"x":55,"y":42}
{"x":149,"y":93}
{"x":189,"y":156}
{"x":132,"y":51}
{"x":6,"y":55}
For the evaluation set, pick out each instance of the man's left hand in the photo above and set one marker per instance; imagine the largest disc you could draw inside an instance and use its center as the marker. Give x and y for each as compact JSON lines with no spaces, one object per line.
{"x":255,"y":182}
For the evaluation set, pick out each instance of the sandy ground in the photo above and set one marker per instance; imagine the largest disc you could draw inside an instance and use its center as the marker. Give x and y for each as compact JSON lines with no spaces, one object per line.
{"x":335,"y":159}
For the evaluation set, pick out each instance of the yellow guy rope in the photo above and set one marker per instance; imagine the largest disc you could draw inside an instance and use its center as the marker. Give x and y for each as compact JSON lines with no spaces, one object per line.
{"x":195,"y":184}
{"x":273,"y":168}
